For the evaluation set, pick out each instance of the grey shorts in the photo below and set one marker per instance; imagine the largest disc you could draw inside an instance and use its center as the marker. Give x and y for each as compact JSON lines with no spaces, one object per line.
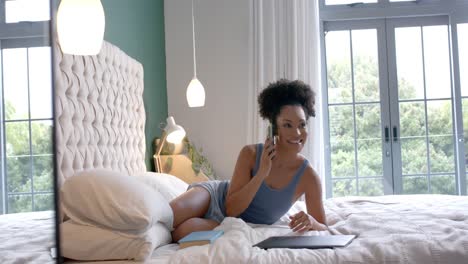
{"x":218,"y":191}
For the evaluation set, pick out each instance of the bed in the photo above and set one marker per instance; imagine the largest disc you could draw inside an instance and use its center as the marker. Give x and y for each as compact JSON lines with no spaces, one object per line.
{"x":100,"y":125}
{"x":27,"y":237}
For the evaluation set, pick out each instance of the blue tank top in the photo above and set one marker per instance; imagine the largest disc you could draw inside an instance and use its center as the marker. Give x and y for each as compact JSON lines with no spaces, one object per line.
{"x":268,"y":204}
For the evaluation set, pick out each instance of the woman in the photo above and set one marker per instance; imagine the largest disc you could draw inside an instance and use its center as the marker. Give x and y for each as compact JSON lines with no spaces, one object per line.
{"x":268,"y":178}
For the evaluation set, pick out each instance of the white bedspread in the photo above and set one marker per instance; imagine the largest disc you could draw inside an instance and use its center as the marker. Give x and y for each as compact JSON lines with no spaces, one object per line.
{"x":425,"y":229}
{"x":394,"y":229}
{"x":27,"y":237}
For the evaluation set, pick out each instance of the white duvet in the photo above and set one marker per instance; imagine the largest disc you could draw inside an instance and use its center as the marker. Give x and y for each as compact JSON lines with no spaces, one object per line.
{"x":393,"y":229}
{"x":419,"y":229}
{"x":27,"y":237}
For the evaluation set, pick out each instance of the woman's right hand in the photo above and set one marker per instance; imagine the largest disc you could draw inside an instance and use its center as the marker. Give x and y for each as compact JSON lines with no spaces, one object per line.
{"x":268,"y":154}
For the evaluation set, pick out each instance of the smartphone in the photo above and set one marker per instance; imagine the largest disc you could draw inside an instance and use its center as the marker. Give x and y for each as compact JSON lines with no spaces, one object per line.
{"x":271,"y":133}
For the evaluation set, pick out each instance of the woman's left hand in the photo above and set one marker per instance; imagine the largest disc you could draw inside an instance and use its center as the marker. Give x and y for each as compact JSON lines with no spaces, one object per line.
{"x":302,"y":222}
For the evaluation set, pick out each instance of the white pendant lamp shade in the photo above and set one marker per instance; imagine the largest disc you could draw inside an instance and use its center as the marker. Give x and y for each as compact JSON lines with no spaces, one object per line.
{"x":195,"y":90}
{"x":80,"y":26}
{"x":195,"y":93}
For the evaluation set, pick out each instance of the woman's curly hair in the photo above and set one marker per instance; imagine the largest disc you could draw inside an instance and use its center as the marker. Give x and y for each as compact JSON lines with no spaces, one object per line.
{"x":285,"y":92}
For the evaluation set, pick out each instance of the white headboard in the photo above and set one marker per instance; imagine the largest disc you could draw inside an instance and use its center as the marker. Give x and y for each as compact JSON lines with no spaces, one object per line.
{"x":99,"y":112}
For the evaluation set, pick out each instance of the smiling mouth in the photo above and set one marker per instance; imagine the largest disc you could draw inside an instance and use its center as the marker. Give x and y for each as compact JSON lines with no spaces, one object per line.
{"x":300,"y":141}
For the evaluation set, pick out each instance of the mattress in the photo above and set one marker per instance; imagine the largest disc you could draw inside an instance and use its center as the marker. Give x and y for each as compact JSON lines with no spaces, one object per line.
{"x":27,"y":237}
{"x":390,"y":229}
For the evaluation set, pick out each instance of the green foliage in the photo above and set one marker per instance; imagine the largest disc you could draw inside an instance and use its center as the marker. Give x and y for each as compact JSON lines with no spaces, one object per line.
{"x":199,"y":162}
{"x":25,"y":173}
{"x":359,"y":170}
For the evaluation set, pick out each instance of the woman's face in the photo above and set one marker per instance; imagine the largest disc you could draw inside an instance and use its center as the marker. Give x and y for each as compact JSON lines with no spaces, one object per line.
{"x":292,"y":127}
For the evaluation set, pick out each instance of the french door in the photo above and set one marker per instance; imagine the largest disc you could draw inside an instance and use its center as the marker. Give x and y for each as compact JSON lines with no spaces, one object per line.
{"x":391,"y":109}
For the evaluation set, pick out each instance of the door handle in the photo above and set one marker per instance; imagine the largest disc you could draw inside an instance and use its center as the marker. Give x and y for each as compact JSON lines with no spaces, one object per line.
{"x":395,"y":135}
{"x":387,"y":134}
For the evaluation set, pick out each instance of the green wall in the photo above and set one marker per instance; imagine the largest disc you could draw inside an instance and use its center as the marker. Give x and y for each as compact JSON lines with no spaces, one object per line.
{"x":137,"y":27}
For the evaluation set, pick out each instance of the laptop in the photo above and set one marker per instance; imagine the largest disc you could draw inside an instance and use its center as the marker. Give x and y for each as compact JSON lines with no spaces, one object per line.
{"x":310,"y":242}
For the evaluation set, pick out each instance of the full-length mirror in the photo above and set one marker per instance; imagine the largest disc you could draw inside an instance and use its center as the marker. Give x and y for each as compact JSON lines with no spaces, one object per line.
{"x":27,"y":217}
{"x":377,"y":152}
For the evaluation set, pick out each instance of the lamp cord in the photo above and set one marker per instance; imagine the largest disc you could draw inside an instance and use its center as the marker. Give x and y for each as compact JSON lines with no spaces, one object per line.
{"x":193,"y":39}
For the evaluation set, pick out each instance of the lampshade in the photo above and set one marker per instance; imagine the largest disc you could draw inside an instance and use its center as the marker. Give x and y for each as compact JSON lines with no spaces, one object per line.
{"x":195,"y":90}
{"x":175,"y":133}
{"x":80,"y":26}
{"x":195,"y":93}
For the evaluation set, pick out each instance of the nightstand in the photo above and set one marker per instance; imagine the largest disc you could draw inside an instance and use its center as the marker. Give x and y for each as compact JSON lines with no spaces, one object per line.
{"x":180,"y":166}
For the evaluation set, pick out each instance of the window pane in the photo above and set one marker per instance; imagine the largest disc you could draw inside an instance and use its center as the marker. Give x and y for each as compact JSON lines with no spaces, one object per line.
{"x":41,"y":135}
{"x":415,"y":185}
{"x":369,"y":143}
{"x":368,"y":121}
{"x":15,"y":77}
{"x":338,"y":67}
{"x":43,"y":173}
{"x":441,"y":151}
{"x":409,"y":63}
{"x":40,"y":82}
{"x":413,"y":156}
{"x":17,"y":138}
{"x":344,"y":2}
{"x":443,"y":184}
{"x":439,"y":117}
{"x":437,"y":61}
{"x":412,"y":120}
{"x":462,"y":34}
{"x":344,"y":188}
{"x":365,"y":65}
{"x":440,"y":129}
{"x":371,"y":187}
{"x":342,"y":158}
{"x":341,"y":122}
{"x":18,"y":171}
{"x":370,"y":158}
{"x":26,"y":10}
{"x":43,"y":202}
{"x":19,"y":203}
{"x":342,"y":140}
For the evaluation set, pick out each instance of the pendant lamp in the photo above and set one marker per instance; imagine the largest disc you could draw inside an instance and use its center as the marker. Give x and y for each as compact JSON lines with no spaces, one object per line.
{"x":80,"y":26}
{"x":195,"y":91}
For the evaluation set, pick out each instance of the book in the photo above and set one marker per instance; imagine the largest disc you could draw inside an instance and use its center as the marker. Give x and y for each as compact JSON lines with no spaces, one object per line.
{"x":199,"y":238}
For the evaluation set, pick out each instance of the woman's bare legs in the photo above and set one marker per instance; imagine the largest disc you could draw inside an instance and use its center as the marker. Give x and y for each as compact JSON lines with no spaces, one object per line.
{"x":189,"y":209}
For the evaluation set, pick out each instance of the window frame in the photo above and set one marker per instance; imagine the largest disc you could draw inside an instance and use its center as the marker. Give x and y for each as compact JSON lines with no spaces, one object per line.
{"x":18,"y":35}
{"x":455,"y":10}
{"x":387,"y":9}
{"x":458,"y":17}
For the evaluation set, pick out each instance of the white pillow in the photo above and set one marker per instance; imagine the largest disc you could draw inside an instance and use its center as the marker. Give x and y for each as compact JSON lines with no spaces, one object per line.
{"x":81,"y":242}
{"x":167,"y":185}
{"x":112,"y":200}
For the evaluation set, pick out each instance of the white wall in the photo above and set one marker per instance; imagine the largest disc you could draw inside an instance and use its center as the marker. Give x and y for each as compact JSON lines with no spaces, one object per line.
{"x":222,"y":49}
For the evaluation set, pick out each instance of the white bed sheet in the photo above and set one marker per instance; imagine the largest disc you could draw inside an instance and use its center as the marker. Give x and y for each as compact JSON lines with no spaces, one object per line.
{"x":27,"y":237}
{"x":391,"y":229}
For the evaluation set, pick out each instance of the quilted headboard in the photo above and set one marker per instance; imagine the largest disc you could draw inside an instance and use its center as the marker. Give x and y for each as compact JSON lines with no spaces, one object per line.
{"x":99,"y":112}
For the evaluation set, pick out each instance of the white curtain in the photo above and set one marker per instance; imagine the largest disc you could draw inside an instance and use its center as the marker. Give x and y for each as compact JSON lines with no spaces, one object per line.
{"x":286,"y":44}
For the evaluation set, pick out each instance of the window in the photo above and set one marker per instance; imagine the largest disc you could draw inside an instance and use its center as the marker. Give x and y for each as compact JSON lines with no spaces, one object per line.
{"x":390,"y":101}
{"x":26,"y":108}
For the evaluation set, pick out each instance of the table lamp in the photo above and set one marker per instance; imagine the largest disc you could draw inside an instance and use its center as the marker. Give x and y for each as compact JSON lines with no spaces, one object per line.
{"x":173,"y":134}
